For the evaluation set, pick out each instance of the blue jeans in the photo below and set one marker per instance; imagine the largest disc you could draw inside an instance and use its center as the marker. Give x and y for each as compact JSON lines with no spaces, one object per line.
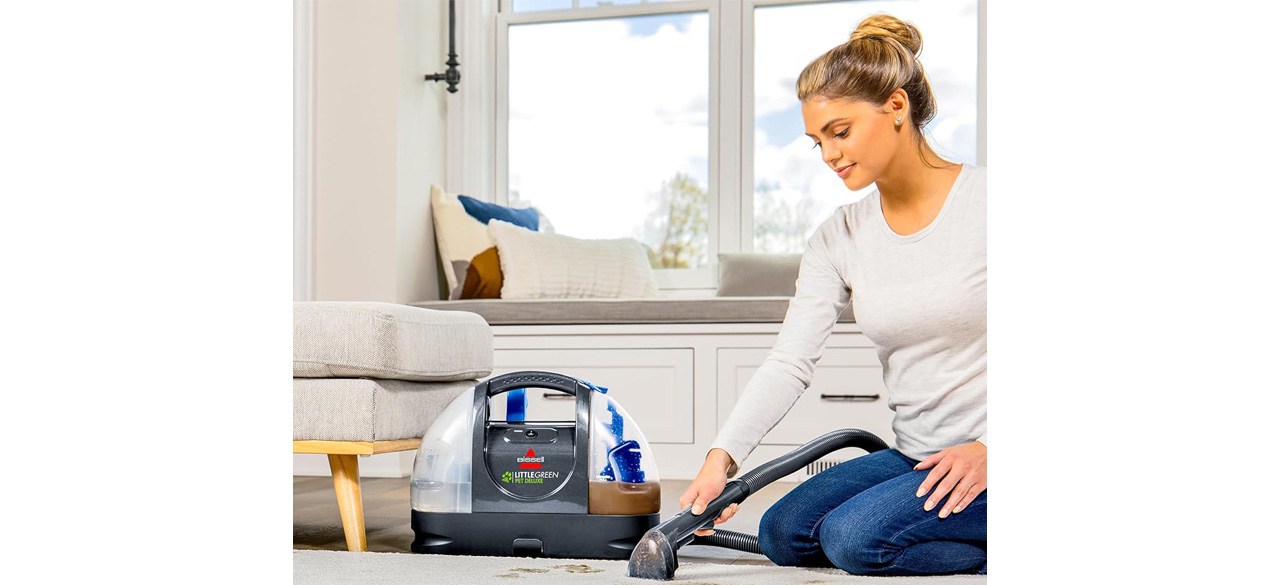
{"x":863,"y":516}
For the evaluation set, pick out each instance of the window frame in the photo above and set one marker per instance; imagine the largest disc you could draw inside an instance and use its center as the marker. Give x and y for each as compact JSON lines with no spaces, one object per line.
{"x":731,"y":116}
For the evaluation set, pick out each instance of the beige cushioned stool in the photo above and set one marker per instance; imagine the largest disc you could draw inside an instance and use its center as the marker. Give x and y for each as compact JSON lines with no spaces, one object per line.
{"x":371,"y":377}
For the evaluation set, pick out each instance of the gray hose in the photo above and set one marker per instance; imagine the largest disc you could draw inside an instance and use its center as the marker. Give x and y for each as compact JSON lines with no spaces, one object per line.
{"x":808,"y":453}
{"x":730,"y":539}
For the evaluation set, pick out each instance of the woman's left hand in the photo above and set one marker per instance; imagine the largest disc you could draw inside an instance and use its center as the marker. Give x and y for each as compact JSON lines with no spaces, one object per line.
{"x":962,"y":465}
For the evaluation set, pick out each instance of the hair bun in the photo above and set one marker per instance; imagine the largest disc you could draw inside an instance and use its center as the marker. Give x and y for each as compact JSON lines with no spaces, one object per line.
{"x":888,"y":27}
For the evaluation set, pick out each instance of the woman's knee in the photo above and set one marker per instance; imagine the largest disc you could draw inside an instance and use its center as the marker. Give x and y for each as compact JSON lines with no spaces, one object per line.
{"x":788,"y":529}
{"x":786,"y":536}
{"x":854,"y":545}
{"x":776,"y":536}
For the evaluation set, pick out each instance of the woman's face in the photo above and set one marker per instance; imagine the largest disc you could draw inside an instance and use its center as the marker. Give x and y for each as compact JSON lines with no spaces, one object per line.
{"x":857,"y":139}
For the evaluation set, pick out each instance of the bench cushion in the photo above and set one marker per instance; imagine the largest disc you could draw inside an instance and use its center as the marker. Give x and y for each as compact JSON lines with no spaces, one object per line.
{"x":357,"y":409}
{"x":333,"y":339}
{"x":626,"y":311}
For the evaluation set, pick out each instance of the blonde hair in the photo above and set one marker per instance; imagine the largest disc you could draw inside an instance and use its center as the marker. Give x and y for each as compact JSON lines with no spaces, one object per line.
{"x":878,"y":58}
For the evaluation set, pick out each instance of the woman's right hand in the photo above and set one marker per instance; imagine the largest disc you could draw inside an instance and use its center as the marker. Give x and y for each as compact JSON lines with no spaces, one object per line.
{"x":707,"y":485}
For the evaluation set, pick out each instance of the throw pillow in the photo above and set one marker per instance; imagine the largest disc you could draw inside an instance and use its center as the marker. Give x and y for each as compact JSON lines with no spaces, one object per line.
{"x":460,"y":274}
{"x":484,"y":212}
{"x":541,"y":265}
{"x":758,"y":275}
{"x":460,"y":236}
{"x":484,"y":276}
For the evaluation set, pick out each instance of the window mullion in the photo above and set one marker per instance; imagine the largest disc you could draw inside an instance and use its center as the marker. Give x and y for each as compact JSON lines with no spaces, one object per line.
{"x":745,"y":219}
{"x":501,"y":111}
{"x":727,"y":95}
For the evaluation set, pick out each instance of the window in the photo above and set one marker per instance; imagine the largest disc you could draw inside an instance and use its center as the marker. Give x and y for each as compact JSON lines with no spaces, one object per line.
{"x":676,"y":122}
{"x":607,"y":129}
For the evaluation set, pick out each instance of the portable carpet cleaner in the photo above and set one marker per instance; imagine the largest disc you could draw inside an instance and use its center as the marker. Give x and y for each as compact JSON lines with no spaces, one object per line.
{"x":585,"y":489}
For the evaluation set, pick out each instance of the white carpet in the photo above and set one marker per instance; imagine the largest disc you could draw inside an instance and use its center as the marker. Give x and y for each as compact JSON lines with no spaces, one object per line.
{"x":338,"y":568}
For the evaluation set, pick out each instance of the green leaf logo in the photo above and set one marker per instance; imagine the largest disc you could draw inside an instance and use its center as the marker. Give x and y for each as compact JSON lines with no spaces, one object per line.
{"x":506,"y":477}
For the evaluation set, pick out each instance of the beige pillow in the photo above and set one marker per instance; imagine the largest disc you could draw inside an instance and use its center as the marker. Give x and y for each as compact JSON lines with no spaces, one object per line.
{"x":758,"y":275}
{"x":541,"y":265}
{"x":459,"y":237}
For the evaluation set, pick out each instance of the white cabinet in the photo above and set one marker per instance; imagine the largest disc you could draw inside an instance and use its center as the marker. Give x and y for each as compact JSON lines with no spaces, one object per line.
{"x":655,"y":386}
{"x":847,"y":391}
{"x":680,"y":382}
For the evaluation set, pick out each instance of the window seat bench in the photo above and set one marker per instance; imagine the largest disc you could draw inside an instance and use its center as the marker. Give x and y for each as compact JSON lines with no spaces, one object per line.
{"x":624,"y":311}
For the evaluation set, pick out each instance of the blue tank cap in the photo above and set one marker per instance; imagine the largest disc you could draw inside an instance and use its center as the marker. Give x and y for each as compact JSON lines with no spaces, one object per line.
{"x":516,"y":403}
{"x":625,"y":461}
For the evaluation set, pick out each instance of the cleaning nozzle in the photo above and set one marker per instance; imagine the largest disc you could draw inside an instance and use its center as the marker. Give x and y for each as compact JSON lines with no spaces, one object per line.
{"x":654,"y":557}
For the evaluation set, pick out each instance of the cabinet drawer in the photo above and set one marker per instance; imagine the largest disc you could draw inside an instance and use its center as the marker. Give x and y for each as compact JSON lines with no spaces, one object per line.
{"x":847,"y":392}
{"x":655,"y":386}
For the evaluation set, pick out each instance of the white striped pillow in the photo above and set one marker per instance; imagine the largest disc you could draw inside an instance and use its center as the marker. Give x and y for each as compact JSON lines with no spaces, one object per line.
{"x":542,"y":266}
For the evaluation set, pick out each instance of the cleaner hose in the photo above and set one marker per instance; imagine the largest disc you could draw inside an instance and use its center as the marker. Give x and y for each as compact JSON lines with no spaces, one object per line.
{"x":810,"y":452}
{"x":654,"y":557}
{"x":730,"y":539}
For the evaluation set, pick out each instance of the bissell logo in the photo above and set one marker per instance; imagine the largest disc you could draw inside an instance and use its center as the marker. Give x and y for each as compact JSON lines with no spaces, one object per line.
{"x":530,"y":460}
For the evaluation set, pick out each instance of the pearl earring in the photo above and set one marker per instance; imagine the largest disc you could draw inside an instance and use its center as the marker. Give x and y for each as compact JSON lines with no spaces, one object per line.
{"x":898,"y":121}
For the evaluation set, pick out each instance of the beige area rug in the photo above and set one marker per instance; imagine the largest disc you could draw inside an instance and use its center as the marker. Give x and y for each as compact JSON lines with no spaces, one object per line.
{"x":340,"y":568}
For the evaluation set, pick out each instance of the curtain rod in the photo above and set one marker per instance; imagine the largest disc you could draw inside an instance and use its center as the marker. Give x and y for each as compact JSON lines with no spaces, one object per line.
{"x":451,"y":75}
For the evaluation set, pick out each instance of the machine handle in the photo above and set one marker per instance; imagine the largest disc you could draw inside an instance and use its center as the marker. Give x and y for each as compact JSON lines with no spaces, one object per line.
{"x":556,"y":396}
{"x":534,"y":379}
{"x":851,"y":397}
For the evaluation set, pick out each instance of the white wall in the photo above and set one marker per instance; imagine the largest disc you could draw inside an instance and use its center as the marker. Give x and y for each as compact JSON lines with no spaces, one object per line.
{"x":379,"y":145}
{"x":303,"y":96}
{"x":379,"y":132}
{"x":424,"y":29}
{"x":356,"y":108}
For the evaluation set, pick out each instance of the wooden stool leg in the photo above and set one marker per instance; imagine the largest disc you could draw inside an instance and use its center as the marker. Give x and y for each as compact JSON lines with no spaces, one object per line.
{"x":346,"y":484}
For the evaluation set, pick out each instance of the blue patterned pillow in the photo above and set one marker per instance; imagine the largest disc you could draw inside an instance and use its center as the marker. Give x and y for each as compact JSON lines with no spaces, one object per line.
{"x":483,"y":212}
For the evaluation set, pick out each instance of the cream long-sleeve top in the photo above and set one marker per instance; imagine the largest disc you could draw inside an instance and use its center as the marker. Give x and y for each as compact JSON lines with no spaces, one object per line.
{"x":922,"y":301}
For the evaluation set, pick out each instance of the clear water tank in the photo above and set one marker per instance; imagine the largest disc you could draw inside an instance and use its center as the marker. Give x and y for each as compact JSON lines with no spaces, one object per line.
{"x":442,"y":468}
{"x":624,"y":473}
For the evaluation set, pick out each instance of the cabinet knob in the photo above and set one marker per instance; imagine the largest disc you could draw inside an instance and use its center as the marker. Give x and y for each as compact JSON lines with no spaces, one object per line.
{"x":851,"y":397}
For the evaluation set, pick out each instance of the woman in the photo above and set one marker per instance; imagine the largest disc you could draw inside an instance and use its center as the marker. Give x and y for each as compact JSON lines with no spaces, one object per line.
{"x":911,"y":257}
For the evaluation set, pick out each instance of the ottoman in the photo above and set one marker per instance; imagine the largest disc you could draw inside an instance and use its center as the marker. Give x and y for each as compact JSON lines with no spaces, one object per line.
{"x":371,"y":377}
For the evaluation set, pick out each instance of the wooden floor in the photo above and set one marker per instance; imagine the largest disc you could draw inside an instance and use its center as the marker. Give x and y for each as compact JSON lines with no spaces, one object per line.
{"x":316,"y":524}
